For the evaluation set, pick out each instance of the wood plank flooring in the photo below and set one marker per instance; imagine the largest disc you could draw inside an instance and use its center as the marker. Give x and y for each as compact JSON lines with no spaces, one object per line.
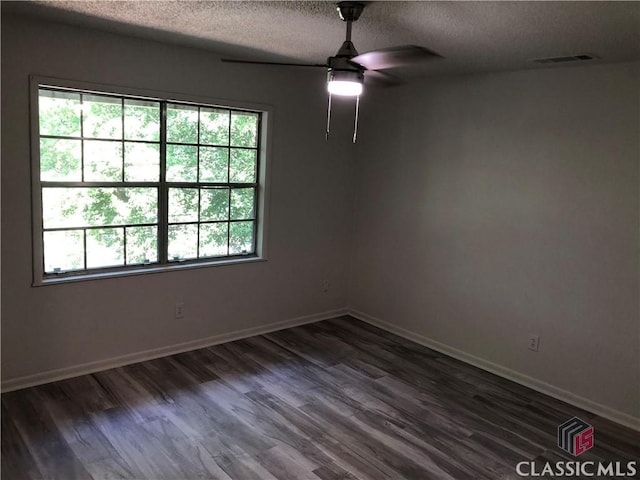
{"x":337,"y":399}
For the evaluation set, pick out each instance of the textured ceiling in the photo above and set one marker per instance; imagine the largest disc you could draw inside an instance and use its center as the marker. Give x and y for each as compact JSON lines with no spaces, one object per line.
{"x":471,"y":36}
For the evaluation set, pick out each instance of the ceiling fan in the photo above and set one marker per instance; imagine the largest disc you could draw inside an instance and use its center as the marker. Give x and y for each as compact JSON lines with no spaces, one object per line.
{"x":347,"y":70}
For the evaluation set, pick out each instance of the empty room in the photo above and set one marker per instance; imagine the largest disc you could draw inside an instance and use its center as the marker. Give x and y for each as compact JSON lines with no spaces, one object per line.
{"x":315,"y":240}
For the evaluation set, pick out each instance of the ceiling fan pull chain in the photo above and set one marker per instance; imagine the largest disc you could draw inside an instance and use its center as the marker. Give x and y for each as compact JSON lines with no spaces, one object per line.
{"x":355,"y":126}
{"x":328,"y":117}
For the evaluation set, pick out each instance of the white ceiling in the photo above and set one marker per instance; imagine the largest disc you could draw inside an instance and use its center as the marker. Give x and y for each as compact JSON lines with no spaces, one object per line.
{"x":471,"y":36}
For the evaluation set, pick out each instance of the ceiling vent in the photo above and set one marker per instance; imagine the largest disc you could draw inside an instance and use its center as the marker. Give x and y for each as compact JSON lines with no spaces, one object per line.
{"x":572,"y":58}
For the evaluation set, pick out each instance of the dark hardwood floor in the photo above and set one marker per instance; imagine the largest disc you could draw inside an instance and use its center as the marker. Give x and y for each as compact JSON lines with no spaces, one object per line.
{"x":337,"y":399}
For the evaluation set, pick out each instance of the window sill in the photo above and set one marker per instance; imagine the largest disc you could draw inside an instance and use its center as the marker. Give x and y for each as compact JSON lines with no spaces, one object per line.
{"x":84,"y":277}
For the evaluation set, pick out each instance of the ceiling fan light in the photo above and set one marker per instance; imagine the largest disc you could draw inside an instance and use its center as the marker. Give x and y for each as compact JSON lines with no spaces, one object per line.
{"x":346,"y":88}
{"x":347,"y":83}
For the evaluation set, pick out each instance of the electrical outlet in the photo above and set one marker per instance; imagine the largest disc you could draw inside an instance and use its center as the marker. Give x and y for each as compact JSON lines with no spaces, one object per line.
{"x":179,"y":310}
{"x":534,"y":342}
{"x":325,"y":285}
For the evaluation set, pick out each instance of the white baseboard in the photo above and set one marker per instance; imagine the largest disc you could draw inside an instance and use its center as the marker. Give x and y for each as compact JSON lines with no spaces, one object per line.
{"x":533,"y":383}
{"x":120,"y":361}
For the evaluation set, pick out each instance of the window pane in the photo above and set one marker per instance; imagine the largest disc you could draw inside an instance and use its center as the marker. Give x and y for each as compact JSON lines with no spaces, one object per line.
{"x":242,"y":200}
{"x":182,"y":163}
{"x":105,"y":247}
{"x":213,"y":239}
{"x":214,"y":204}
{"x":59,"y":113}
{"x":244,"y":129}
{"x":63,"y":207}
{"x":214,"y":126}
{"x":142,"y":245}
{"x":102,"y":161}
{"x":141,"y":162}
{"x":243,"y":165}
{"x":63,"y":251}
{"x":60,"y":160}
{"x":240,"y":238}
{"x":141,"y":120}
{"x":102,"y":116}
{"x":98,"y":206}
{"x":183,"y":242}
{"x":183,"y":205}
{"x":182,"y":124}
{"x":214,"y":164}
{"x":109,"y":140}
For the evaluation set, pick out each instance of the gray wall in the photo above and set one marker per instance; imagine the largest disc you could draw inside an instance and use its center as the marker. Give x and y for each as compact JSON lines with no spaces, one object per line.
{"x":52,"y":327}
{"x":494,"y":206}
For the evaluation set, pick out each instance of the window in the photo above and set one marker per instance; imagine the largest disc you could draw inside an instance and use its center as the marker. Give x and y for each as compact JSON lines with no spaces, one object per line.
{"x":132,"y":183}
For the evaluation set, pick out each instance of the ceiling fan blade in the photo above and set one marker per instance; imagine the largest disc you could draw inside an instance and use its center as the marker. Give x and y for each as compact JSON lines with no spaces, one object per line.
{"x":282,"y":64}
{"x":381,"y":79}
{"x":394,"y":57}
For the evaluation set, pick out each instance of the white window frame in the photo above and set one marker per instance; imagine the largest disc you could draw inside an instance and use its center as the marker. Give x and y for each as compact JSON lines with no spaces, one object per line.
{"x":261,"y":215}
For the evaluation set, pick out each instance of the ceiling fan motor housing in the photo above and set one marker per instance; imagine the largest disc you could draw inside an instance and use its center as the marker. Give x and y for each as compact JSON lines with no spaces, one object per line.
{"x":349,"y":12}
{"x":341,"y":63}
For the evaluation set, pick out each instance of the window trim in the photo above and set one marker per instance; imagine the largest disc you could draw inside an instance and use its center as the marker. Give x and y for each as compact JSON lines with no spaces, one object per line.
{"x":262,"y":210}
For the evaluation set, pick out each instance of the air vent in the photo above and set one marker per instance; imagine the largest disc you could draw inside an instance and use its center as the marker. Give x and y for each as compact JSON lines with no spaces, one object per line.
{"x":572,"y":58}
